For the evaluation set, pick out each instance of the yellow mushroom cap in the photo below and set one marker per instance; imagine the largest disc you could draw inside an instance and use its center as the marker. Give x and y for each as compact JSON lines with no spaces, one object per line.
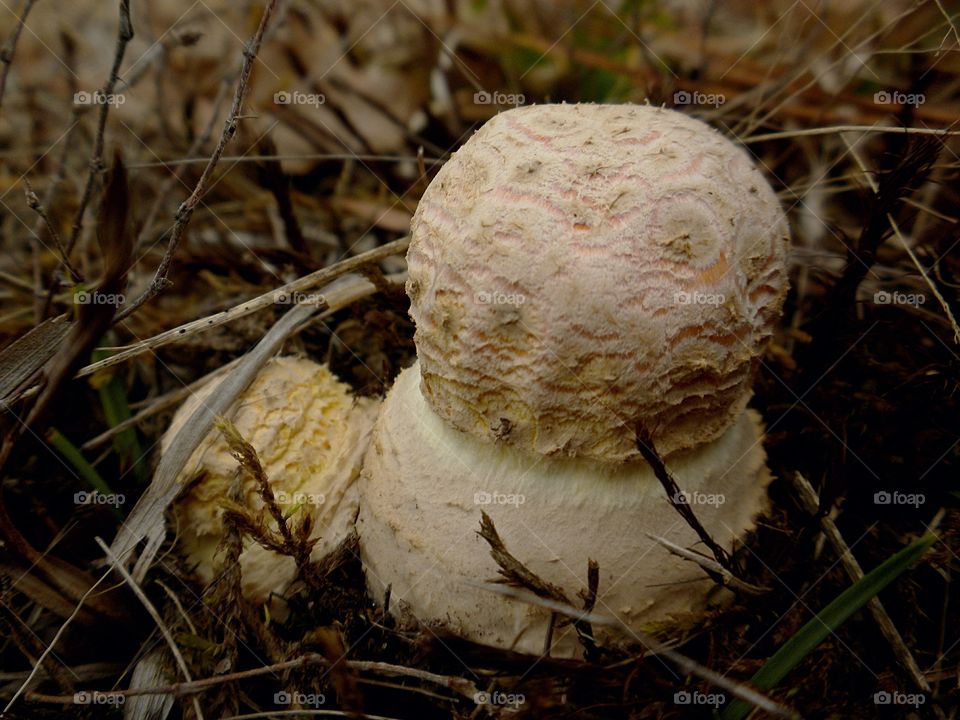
{"x":578,"y":269}
{"x":310,"y":434}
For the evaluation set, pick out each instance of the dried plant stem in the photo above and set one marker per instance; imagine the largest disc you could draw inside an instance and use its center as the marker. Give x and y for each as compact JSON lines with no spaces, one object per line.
{"x":185,"y":211}
{"x":10,"y":46}
{"x":875,"y":187}
{"x":33,"y":202}
{"x":712,"y":567}
{"x":124,"y":36}
{"x":460,"y":686}
{"x":926,"y":278}
{"x":42,"y":306}
{"x":175,"y":397}
{"x":53,"y":642}
{"x":154,"y":615}
{"x":516,"y":573}
{"x":198,"y":143}
{"x":300,"y":285}
{"x":810,"y":502}
{"x":837,"y":129}
{"x":645,"y":446}
{"x":653,"y":646}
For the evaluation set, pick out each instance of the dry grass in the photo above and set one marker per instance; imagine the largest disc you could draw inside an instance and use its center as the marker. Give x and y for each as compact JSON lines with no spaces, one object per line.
{"x":258,"y":144}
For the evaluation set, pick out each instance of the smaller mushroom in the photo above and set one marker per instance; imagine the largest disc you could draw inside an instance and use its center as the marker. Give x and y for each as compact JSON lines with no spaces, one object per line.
{"x":310,"y":434}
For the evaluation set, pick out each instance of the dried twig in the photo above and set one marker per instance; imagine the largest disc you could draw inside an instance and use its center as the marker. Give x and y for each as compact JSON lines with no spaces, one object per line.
{"x":461,"y":686}
{"x":653,"y":646}
{"x":53,"y":642}
{"x":185,"y":211}
{"x":674,"y":495}
{"x":157,"y":405}
{"x":42,"y":307}
{"x":513,"y":571}
{"x":30,"y":646}
{"x":155,"y":616}
{"x":167,"y":185}
{"x":926,"y":278}
{"x":839,"y":129}
{"x":10,"y":46}
{"x":124,"y":36}
{"x":713,"y":568}
{"x":516,"y":573}
{"x":284,"y":541}
{"x":360,"y":288}
{"x":278,"y":182}
{"x":33,"y":202}
{"x":810,"y":502}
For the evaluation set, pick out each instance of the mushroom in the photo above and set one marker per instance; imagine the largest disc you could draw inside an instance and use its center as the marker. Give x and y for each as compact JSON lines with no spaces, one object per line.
{"x":310,"y":434}
{"x":576,"y":273}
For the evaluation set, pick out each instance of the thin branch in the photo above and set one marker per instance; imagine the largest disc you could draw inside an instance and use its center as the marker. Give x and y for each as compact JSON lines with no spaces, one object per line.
{"x":653,"y":646}
{"x":810,"y":502}
{"x":516,"y":573}
{"x":185,"y":211}
{"x":261,"y":302}
{"x":33,"y":202}
{"x":202,"y":139}
{"x":837,"y":129}
{"x":461,"y":686}
{"x":10,"y":46}
{"x":727,"y":578}
{"x":42,"y":306}
{"x":933,"y":288}
{"x":645,"y":446}
{"x":296,"y":156}
{"x":154,"y":615}
{"x":124,"y":36}
{"x":53,"y":642}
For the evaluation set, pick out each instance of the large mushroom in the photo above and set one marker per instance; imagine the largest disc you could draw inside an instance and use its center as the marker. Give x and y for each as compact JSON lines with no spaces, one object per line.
{"x":577,"y":273}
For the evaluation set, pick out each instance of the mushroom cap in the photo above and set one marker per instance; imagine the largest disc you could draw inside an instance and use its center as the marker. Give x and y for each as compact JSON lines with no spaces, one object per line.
{"x":423,"y":487}
{"x":310,"y":434}
{"x":578,"y":269}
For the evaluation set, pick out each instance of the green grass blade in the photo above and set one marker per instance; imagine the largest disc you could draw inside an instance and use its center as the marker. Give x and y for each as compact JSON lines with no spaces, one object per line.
{"x":85,"y":470}
{"x":828,"y":620}
{"x":113,"y":398}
